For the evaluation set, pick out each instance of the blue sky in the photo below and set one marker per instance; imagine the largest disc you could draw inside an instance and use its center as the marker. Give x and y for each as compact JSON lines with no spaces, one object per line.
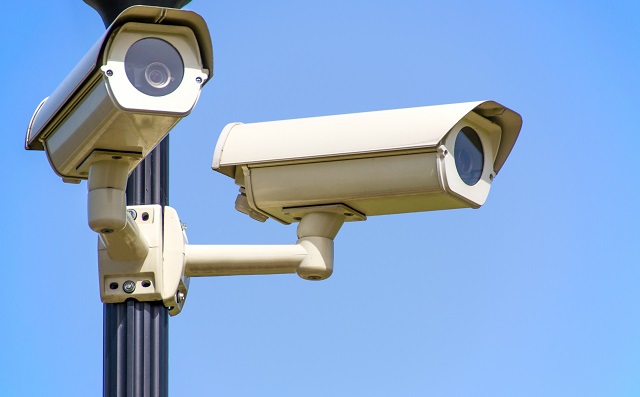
{"x":534,"y":294}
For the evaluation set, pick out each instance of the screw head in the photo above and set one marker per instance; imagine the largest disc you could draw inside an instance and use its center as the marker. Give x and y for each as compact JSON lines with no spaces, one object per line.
{"x":109,"y":72}
{"x":199,"y":80}
{"x":128,"y":286}
{"x":133,"y":213}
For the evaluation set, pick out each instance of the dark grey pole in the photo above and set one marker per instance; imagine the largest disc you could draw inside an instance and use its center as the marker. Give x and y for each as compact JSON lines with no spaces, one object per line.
{"x":136,"y":334}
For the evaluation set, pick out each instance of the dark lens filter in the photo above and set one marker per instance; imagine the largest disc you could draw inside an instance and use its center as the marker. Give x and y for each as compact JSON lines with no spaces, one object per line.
{"x":154,"y":67}
{"x":469,"y":156}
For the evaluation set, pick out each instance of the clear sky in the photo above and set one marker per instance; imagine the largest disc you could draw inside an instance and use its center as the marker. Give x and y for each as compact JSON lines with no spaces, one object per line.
{"x":534,"y":294}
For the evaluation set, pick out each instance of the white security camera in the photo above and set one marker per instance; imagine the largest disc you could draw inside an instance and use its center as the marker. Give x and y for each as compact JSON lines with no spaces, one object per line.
{"x":363,"y":164}
{"x":319,"y":172}
{"x":140,"y":78}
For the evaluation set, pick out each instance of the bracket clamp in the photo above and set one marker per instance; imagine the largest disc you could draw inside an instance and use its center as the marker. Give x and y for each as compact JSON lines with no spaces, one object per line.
{"x":158,"y":276}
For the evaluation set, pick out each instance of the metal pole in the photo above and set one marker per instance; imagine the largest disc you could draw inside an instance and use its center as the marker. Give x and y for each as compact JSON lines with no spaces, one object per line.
{"x":136,"y":334}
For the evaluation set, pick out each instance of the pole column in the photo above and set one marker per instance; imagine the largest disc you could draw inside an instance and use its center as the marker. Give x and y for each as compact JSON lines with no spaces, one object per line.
{"x":136,"y":334}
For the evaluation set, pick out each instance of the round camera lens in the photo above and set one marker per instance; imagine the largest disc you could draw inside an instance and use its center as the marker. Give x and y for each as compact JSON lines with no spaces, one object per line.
{"x":157,"y":75}
{"x":154,"y":67}
{"x":469,"y":156}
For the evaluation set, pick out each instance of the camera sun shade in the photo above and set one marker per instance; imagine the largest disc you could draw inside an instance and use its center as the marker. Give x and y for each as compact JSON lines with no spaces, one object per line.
{"x":374,"y":163}
{"x":103,"y":107}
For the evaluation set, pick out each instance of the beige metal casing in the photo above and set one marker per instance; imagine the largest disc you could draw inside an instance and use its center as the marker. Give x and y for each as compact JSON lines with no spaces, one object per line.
{"x":96,"y":109}
{"x":311,"y":257}
{"x":375,"y":163}
{"x":157,"y":277}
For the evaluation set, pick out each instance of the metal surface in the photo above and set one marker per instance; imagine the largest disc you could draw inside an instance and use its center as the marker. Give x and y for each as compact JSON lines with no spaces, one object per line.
{"x":136,"y":349}
{"x":158,"y":275}
{"x":136,"y":334}
{"x":149,"y":182}
{"x":355,"y":135}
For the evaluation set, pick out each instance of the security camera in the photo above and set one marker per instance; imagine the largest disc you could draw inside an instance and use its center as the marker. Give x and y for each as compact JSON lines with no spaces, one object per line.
{"x":320,"y":172}
{"x":364,"y":164}
{"x":139,"y":79}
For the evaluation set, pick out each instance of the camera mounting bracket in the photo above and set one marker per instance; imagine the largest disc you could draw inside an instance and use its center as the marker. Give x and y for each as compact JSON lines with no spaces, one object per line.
{"x":163,"y":273}
{"x":159,"y":276}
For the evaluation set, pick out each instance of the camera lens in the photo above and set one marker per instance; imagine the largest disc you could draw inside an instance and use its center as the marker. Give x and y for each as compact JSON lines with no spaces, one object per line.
{"x":469,"y":156}
{"x":154,"y":66}
{"x":158,"y":75}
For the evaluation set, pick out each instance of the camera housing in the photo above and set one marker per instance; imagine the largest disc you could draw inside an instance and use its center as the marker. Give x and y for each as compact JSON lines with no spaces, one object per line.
{"x":364,"y":164}
{"x":139,"y":79}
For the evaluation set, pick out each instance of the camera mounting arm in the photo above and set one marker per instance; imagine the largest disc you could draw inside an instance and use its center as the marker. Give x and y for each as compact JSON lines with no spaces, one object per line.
{"x":163,"y":274}
{"x":311,"y":257}
{"x":107,"y":211}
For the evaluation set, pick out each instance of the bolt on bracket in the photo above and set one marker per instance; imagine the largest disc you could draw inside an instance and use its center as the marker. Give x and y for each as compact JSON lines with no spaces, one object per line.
{"x":159,"y":275}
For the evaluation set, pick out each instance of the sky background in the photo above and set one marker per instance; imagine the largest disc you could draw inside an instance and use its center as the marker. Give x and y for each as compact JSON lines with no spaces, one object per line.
{"x":537,"y":293}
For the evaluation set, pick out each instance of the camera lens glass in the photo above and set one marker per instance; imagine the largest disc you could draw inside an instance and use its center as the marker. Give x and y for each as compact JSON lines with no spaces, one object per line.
{"x":469,"y":156}
{"x":157,"y":75}
{"x":154,"y":66}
